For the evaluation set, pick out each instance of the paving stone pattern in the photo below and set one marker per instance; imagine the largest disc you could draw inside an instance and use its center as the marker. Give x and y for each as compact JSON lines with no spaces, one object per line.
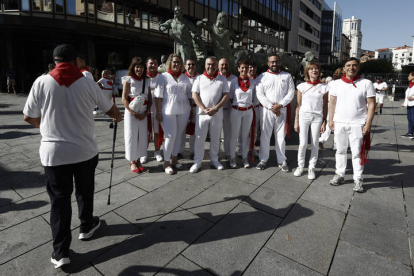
{"x":230,"y":222}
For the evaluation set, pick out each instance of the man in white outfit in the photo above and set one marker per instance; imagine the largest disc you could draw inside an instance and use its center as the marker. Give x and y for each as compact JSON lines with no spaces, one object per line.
{"x":210,"y":92}
{"x":351,"y":120}
{"x":275,"y":90}
{"x":224,"y":71}
{"x":380,"y":88}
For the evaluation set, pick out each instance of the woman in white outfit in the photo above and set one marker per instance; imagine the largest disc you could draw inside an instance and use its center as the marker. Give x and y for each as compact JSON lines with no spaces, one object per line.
{"x":311,"y":112}
{"x":135,"y":126}
{"x":173,"y":104}
{"x":242,"y":94}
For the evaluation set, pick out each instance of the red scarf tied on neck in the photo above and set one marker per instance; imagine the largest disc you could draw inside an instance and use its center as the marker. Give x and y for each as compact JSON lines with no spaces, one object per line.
{"x":268,"y":70}
{"x":227,"y":75}
{"x":175,"y":75}
{"x":210,"y":77}
{"x":85,"y":69}
{"x":135,"y":77}
{"x":345,"y":79}
{"x":152,"y":75}
{"x":66,"y":74}
{"x":313,"y":82}
{"x":411,"y":84}
{"x":188,"y":75}
{"x":244,"y":84}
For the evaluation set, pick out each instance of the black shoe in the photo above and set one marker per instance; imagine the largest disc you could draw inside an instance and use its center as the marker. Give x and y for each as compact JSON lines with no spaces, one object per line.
{"x":59,"y":260}
{"x":84,"y":235}
{"x":407,"y":135}
{"x":180,"y":156}
{"x":261,"y":165}
{"x":380,"y":110}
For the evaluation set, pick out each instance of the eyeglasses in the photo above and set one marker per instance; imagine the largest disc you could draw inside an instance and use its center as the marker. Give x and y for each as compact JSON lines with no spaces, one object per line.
{"x":190,"y":64}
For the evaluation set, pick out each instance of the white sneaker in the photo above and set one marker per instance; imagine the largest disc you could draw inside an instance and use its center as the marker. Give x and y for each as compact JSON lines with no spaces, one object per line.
{"x":143,"y":159}
{"x":217,"y":165}
{"x":284,"y":167}
{"x":194,"y":168}
{"x":95,"y":112}
{"x":246,"y":163}
{"x":59,"y":261}
{"x":336,"y":180}
{"x":298,"y":172}
{"x":358,"y":186}
{"x":311,"y":174}
{"x":233,"y":163}
{"x":157,"y":156}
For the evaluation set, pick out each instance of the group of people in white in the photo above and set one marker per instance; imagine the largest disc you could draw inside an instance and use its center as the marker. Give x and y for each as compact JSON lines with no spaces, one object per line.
{"x":241,"y":107}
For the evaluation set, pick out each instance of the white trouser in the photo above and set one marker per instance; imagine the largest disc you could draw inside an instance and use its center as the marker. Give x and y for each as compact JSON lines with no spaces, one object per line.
{"x":203,"y":123}
{"x":136,"y":137}
{"x":277,"y":124}
{"x":155,"y":123}
{"x":353,"y":133}
{"x":259,"y":112}
{"x":313,"y":121}
{"x":241,"y":122}
{"x":192,"y":137}
{"x":379,"y":97}
{"x":173,"y":125}
{"x":226,"y":130}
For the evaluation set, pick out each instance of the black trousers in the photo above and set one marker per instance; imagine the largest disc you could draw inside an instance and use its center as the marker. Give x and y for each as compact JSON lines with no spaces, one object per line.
{"x":59,"y":185}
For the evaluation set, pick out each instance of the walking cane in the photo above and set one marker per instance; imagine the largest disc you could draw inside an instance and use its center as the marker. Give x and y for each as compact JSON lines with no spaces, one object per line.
{"x":112,"y":163}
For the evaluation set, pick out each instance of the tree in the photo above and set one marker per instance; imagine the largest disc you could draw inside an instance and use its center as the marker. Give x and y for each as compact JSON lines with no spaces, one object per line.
{"x":383,"y":66}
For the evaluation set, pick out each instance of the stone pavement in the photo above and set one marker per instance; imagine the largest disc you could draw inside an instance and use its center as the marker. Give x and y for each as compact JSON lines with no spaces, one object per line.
{"x":230,"y":222}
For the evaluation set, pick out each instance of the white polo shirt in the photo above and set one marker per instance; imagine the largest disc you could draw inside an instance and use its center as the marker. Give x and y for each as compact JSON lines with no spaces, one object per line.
{"x":87,"y":74}
{"x":153,"y":83}
{"x":211,"y":91}
{"x":312,"y":98}
{"x":229,"y":80}
{"x":239,"y":97}
{"x":409,"y":93}
{"x":67,"y":126}
{"x":351,"y":101}
{"x":254,"y":82}
{"x":107,"y":83}
{"x":136,"y":89}
{"x":275,"y":88}
{"x":381,"y":85}
{"x":175,"y":94}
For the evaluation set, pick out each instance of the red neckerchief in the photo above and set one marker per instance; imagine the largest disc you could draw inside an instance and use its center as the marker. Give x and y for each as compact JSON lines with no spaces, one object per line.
{"x":228,"y":75}
{"x":313,"y":82}
{"x":379,"y":82}
{"x":135,"y":77}
{"x":66,"y":74}
{"x":152,"y":75}
{"x":175,"y":75}
{"x":345,"y":79}
{"x":109,"y":81}
{"x":268,"y":70}
{"x":188,"y":75}
{"x":410,"y":84}
{"x":210,"y":77}
{"x":244,"y":86}
{"x":85,"y":69}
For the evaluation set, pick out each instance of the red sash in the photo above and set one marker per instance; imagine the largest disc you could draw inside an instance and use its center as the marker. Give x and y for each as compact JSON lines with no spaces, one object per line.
{"x":365,"y":148}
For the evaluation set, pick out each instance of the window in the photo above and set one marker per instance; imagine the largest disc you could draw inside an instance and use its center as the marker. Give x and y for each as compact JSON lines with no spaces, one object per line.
{"x":155,"y":22}
{"x":213,"y":4}
{"x":75,"y":8}
{"x":11,"y":4}
{"x":59,"y":6}
{"x":119,"y":12}
{"x":105,"y":10}
{"x":25,"y":5}
{"x":310,"y":13}
{"x":132,"y":17}
{"x":42,"y":5}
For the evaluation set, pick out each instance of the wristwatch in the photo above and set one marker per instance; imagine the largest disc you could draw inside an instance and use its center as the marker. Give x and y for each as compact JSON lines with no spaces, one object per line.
{"x":215,"y":108}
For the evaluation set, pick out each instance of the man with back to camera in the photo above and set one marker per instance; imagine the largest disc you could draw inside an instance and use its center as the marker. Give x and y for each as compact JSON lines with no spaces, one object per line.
{"x":275,"y":91}
{"x":210,"y":92}
{"x":59,"y":104}
{"x":351,"y":120}
{"x":380,"y":88}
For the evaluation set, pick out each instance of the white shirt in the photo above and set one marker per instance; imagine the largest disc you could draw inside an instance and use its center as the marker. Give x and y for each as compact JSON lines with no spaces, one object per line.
{"x":275,"y":88}
{"x":211,"y":91}
{"x":87,"y":74}
{"x":193,"y":78}
{"x":312,"y":98}
{"x":380,"y":86}
{"x":409,"y":93}
{"x":107,"y":83}
{"x":239,"y":97}
{"x":254,"y":82}
{"x":175,"y":94}
{"x":136,"y":89}
{"x":153,"y":83}
{"x":351,"y":102}
{"x":229,"y":80}
{"x":67,"y":126}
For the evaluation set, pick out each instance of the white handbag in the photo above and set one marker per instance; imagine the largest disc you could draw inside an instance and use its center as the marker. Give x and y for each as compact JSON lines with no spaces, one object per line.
{"x":136,"y":104}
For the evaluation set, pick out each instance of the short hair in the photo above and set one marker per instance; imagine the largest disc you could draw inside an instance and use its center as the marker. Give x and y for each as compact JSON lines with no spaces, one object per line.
{"x":272,"y":55}
{"x":135,"y":61}
{"x":310,"y":66}
{"x":411,"y":73}
{"x":213,"y":58}
{"x":245,"y":62}
{"x":170,"y":59}
{"x":253,"y":63}
{"x":51,"y":66}
{"x":104,"y":72}
{"x":188,"y":59}
{"x":351,"y":59}
{"x":151,"y":57}
{"x":339,"y":72}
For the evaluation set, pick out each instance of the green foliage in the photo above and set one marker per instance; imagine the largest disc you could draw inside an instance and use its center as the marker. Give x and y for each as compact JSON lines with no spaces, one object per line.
{"x":377,"y":66}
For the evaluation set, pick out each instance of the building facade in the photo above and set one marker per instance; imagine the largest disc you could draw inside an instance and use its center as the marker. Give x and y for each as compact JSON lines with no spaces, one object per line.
{"x":367,"y":55}
{"x":345,"y":48}
{"x":111,"y":33}
{"x":352,"y":29}
{"x":305,"y":33}
{"x":331,"y":35}
{"x":399,"y":56}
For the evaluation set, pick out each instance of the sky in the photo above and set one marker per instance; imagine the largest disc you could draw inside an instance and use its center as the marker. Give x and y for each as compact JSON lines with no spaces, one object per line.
{"x":385,"y":23}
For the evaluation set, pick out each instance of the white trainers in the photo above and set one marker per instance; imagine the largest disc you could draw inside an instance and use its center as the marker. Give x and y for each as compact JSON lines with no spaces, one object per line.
{"x":336,"y":180}
{"x":157,"y":156}
{"x":284,"y":167}
{"x":217,"y":165}
{"x":195,"y":167}
{"x":95,"y":112}
{"x":311,"y":173}
{"x":298,"y":172}
{"x":358,"y":186}
{"x":233,"y":163}
{"x":59,"y":260}
{"x":143,"y":159}
{"x":246,"y":163}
